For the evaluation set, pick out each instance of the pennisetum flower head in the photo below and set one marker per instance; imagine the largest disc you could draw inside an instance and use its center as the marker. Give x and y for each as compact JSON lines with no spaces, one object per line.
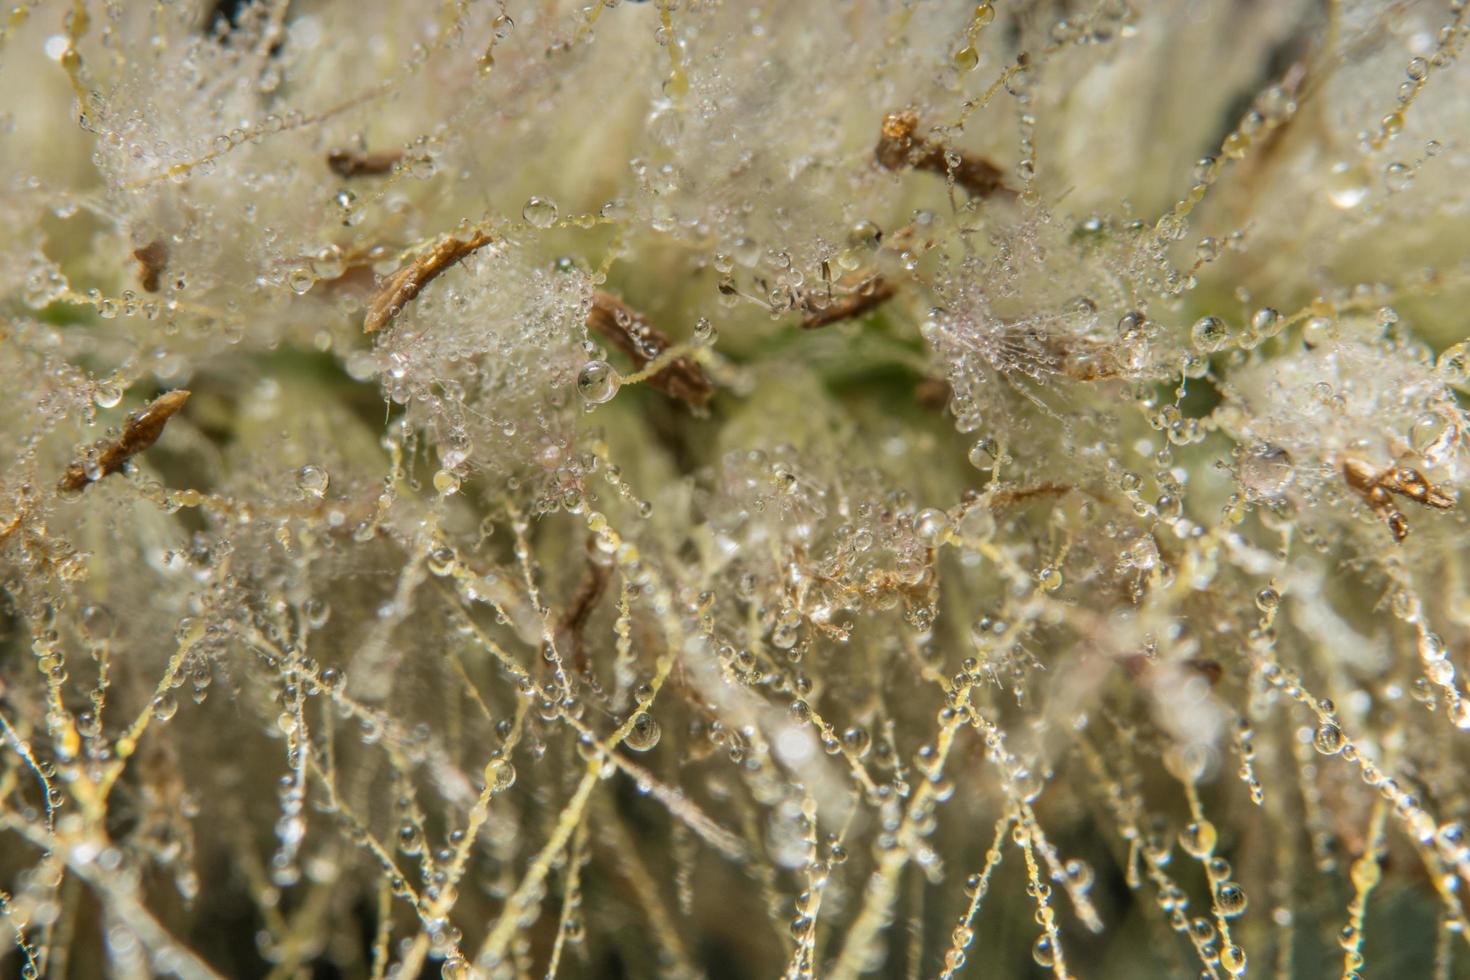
{"x":696,"y":487}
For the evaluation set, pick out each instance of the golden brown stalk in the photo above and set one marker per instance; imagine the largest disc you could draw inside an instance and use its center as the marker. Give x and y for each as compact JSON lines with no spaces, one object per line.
{"x":872,"y":294}
{"x":402,"y":286}
{"x":152,"y":259}
{"x":352,"y":163}
{"x":630,"y":332}
{"x":141,"y":429}
{"x":1376,"y":490}
{"x":899,"y":147}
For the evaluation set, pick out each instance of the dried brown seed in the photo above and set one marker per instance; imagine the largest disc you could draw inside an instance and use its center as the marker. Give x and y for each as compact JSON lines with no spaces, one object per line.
{"x":352,"y":163}
{"x":141,"y":429}
{"x":152,"y":260}
{"x":869,"y":296}
{"x":1377,"y":488}
{"x":399,"y":289}
{"x":900,"y":147}
{"x":630,"y":332}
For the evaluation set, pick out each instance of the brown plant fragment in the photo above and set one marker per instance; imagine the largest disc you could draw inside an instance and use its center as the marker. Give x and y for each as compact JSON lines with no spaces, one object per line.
{"x":353,"y":163}
{"x":630,"y":332}
{"x":152,"y":260}
{"x":869,"y":295}
{"x":899,"y":147}
{"x":1139,"y":666}
{"x":932,"y":394}
{"x":1377,"y":489}
{"x":140,"y":430}
{"x":573,"y":623}
{"x":399,"y":289}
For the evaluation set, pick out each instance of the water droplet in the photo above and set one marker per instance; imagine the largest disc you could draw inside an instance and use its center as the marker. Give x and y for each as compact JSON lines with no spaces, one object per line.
{"x":107,"y":395}
{"x":1018,"y":81}
{"x":165,"y":706}
{"x":1432,"y":436}
{"x":983,"y":454}
{"x":1266,"y":322}
{"x":312,"y":480}
{"x":1453,"y":364}
{"x":300,"y":280}
{"x":977,"y":524}
{"x":784,"y":636}
{"x":501,"y":775}
{"x":1232,"y":958}
{"x":864,"y":235}
{"x":1397,"y":177}
{"x":1230,"y":899}
{"x":1044,"y":953}
{"x":441,"y":560}
{"x":540,"y":212}
{"x":1198,"y":839}
{"x":597,"y":382}
{"x":1210,"y":334}
{"x":1347,"y":186}
{"x":446,"y":482}
{"x":857,"y":740}
{"x":644,"y":734}
{"x":98,"y":622}
{"x":931,"y":524}
{"x":1328,"y":738}
{"x":317,"y":613}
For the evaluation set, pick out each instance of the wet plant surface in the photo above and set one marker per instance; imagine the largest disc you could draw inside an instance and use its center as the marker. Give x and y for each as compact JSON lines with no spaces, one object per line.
{"x":688,"y":488}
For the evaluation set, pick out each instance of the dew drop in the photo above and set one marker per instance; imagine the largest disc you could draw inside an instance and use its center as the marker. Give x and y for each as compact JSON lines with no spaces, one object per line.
{"x":1453,"y":364}
{"x":864,"y":235}
{"x":165,"y":706}
{"x":644,"y":734}
{"x":1210,"y":334}
{"x":1398,"y":177}
{"x":1230,"y":899}
{"x":931,"y":524}
{"x":1346,"y":186}
{"x":597,"y":382}
{"x":1198,"y":839}
{"x":441,"y":561}
{"x":539,"y":212}
{"x":501,"y":775}
{"x":312,"y":480}
{"x":1328,"y":738}
{"x":300,"y":280}
{"x":107,"y":395}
